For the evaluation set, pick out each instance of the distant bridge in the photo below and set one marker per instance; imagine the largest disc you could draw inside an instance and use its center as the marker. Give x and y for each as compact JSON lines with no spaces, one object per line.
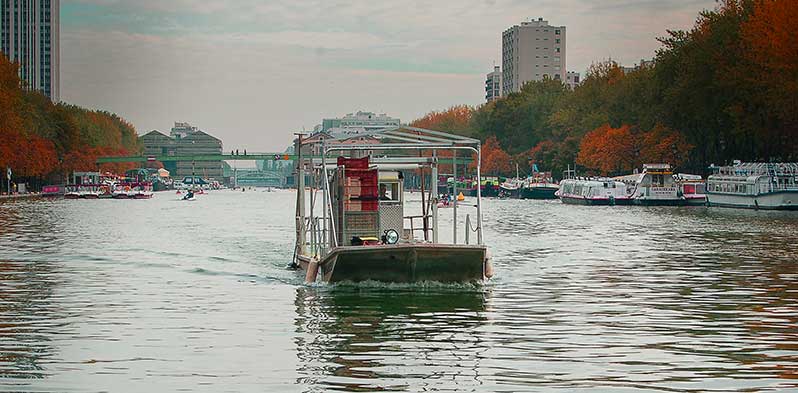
{"x":231,"y":157}
{"x":200,"y":157}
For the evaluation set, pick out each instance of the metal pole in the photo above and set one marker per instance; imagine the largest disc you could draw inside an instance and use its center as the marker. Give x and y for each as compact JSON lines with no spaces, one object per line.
{"x":328,"y":198}
{"x":324,"y":195}
{"x":300,"y":198}
{"x":434,"y":189}
{"x":454,"y":196}
{"x":479,"y":194}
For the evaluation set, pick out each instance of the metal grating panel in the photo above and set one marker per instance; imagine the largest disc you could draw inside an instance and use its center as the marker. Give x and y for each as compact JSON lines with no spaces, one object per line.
{"x":391,"y":217}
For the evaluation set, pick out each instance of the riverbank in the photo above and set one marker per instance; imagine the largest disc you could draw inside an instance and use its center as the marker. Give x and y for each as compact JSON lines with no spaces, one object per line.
{"x":20,"y":196}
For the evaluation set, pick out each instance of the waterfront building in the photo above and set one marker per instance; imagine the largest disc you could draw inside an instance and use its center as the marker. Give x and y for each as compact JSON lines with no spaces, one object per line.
{"x":532,"y":51}
{"x":368,"y":121}
{"x":30,"y":36}
{"x":493,"y":84}
{"x":572,"y":79}
{"x":643,"y":64}
{"x":185,"y":140}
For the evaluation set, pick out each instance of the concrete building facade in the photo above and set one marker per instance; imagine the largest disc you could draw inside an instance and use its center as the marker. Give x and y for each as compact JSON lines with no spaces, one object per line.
{"x":493,"y":84}
{"x":30,"y":36}
{"x":185,"y":140}
{"x":532,"y":51}
{"x":366,"y":120}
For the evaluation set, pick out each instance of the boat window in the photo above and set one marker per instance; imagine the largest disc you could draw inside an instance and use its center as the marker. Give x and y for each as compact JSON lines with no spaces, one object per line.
{"x":389,"y":191}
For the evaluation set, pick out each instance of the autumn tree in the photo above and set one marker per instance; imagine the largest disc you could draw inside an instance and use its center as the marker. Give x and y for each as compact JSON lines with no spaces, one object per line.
{"x":495,"y":161}
{"x":664,"y":145}
{"x":455,"y":120}
{"x":39,"y":138}
{"x":609,"y":150}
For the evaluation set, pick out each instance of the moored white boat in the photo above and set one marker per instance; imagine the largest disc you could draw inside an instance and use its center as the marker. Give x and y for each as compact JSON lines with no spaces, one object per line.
{"x":767,"y":186}
{"x":655,"y":185}
{"x":692,"y":188}
{"x":593,"y":191}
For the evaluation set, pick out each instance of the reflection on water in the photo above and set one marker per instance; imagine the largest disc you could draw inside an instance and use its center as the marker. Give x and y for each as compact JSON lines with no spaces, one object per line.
{"x":126,"y":295}
{"x":372,"y":338}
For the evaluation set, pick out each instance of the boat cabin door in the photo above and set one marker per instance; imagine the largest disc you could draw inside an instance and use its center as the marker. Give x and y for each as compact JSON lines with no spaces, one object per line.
{"x":391,"y":201}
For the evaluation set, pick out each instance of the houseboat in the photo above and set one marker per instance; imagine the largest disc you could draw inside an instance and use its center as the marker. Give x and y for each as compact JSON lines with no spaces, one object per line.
{"x":655,"y":185}
{"x":768,"y":186}
{"x":357,"y":230}
{"x":593,"y":191}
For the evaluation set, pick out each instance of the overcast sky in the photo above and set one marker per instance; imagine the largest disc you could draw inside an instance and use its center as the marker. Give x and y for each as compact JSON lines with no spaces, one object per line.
{"x":252,"y":72}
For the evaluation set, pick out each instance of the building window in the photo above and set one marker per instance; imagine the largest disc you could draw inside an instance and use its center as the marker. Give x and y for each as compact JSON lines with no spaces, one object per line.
{"x":557,"y":40}
{"x":557,"y":50}
{"x":557,"y":32}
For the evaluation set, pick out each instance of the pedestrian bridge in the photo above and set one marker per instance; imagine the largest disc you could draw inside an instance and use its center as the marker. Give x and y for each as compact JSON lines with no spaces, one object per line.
{"x":199,"y":157}
{"x":231,"y":157}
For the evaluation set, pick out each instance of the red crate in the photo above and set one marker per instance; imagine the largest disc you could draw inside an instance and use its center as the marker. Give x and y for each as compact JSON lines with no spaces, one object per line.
{"x":354,"y":163}
{"x":370,"y":206}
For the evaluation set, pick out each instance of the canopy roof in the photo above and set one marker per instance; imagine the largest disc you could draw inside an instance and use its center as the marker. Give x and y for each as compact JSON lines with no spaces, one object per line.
{"x":406,"y":137}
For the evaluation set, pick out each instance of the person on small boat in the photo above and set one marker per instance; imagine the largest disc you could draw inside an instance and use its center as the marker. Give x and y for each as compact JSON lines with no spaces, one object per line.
{"x":384,"y":192}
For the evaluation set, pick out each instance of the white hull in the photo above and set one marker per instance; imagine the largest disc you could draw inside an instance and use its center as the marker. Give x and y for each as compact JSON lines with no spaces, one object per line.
{"x":784,"y":200}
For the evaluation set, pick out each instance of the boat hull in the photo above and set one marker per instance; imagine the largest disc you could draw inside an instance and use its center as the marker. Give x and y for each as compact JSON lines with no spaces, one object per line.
{"x":659,"y":202}
{"x":403,"y":263}
{"x":783,"y":200}
{"x":538,"y":193}
{"x":594,"y":202}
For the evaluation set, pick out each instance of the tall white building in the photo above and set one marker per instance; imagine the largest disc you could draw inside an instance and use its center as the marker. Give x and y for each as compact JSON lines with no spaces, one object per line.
{"x":572,"y":79}
{"x":493,"y":84}
{"x":532,"y":51}
{"x":30,"y":36}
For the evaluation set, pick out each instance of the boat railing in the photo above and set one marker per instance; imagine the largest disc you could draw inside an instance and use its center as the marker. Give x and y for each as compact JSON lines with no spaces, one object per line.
{"x":317,"y":237}
{"x":425,"y":225}
{"x":469,"y":229}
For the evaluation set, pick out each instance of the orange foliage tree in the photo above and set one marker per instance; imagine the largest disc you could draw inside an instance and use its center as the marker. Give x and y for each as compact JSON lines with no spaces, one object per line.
{"x":455,"y":120}
{"x":664,"y":145}
{"x":40,"y":139}
{"x":620,"y":150}
{"x":771,"y":48}
{"x":495,"y":161}
{"x":608,"y":150}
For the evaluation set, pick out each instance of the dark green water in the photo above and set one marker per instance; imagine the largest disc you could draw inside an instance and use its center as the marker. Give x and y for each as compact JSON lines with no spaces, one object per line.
{"x":161,"y":295}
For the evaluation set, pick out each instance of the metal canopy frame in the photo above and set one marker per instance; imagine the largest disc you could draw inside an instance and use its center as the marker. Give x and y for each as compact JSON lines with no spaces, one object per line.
{"x":394,"y":139}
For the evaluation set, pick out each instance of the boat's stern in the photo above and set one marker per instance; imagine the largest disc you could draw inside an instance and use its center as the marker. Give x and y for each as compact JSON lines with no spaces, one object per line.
{"x":407,"y":263}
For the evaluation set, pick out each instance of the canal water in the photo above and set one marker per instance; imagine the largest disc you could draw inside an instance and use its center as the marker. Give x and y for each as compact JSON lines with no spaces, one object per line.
{"x":164,"y":295}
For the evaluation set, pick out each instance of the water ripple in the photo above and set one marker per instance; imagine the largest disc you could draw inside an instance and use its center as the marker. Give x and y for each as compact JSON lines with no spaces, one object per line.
{"x":122,"y":296}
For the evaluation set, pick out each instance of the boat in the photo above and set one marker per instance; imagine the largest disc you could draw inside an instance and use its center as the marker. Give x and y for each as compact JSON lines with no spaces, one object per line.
{"x":539,"y":186}
{"x":654,"y":186}
{"x":767,"y":186}
{"x":692,"y":188}
{"x":362,"y":233}
{"x":82,"y":191}
{"x":142,"y":190}
{"x":132,"y":191}
{"x":593,"y":191}
{"x":72,"y":191}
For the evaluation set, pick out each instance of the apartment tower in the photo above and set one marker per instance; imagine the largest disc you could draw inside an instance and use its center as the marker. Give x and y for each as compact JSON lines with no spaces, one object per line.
{"x":29,"y":35}
{"x":493,"y":84}
{"x":532,"y":51}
